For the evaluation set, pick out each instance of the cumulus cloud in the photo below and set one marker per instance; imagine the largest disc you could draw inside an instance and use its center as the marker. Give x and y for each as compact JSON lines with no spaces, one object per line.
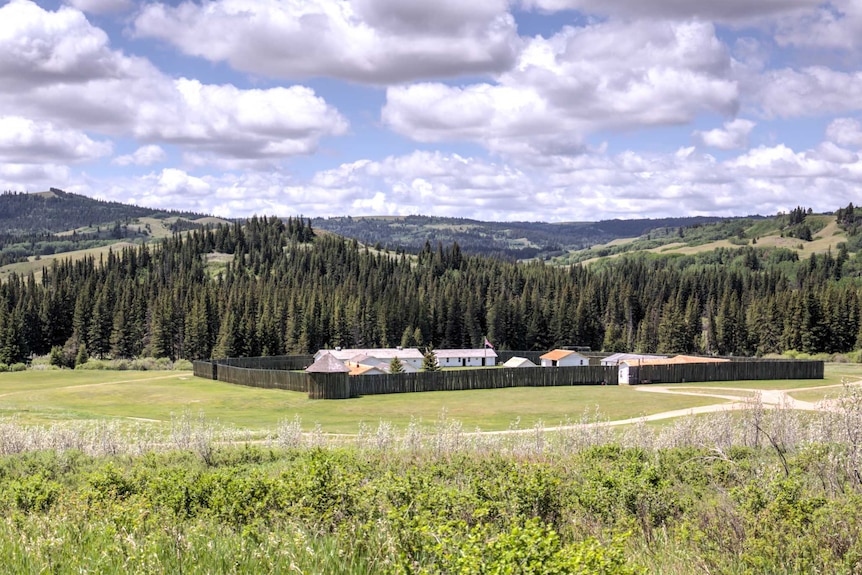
{"x":723,"y":10}
{"x":836,"y":24}
{"x":40,"y":47}
{"x":86,"y":85}
{"x":373,"y":41}
{"x":31,"y":177}
{"x":143,"y":156}
{"x":590,"y":186}
{"x":809,"y":91}
{"x":612,"y":75}
{"x":25,"y":141}
{"x":845,"y":132}
{"x":102,"y":6}
{"x":734,"y":135}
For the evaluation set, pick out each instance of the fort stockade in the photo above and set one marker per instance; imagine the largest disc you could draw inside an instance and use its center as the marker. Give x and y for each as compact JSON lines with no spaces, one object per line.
{"x":286,"y":372}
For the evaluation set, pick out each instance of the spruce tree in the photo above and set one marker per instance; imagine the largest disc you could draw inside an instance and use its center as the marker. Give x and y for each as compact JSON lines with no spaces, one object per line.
{"x":429,"y":361}
{"x":395,"y":366}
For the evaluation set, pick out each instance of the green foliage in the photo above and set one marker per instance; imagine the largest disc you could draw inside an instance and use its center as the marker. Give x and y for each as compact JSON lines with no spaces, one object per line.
{"x":395,"y":366}
{"x":429,"y":360}
{"x":282,"y":290}
{"x":606,"y":510}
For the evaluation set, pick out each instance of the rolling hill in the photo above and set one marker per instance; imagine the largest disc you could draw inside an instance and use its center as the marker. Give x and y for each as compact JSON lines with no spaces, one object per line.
{"x":511,"y":240}
{"x":37,"y":228}
{"x":58,"y":211}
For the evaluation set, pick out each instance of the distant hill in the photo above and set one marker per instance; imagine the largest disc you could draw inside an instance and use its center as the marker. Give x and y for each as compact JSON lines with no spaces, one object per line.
{"x":513,"y":240}
{"x":58,"y":211}
{"x":785,"y":236}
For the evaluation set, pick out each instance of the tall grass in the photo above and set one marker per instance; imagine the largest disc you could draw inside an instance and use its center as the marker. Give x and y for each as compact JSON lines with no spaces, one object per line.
{"x":754,"y":490}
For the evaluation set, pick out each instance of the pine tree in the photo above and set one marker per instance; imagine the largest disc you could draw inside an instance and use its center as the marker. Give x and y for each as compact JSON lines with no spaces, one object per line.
{"x":429,"y":361}
{"x":395,"y":366}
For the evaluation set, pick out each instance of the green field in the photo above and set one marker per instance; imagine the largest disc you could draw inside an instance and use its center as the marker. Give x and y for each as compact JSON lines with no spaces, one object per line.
{"x":44,"y":397}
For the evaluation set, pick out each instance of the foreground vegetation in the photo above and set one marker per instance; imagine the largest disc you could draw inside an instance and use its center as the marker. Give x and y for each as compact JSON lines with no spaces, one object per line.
{"x":764,"y":491}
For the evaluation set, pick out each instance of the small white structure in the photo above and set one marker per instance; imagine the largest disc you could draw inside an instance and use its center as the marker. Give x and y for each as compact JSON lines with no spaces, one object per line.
{"x":564,"y":358}
{"x":466,"y":357}
{"x":408,"y":355}
{"x":516,"y":362}
{"x":617,"y":358}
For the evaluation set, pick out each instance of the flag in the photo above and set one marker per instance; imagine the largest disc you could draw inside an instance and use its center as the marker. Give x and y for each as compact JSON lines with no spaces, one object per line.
{"x":488,"y":343}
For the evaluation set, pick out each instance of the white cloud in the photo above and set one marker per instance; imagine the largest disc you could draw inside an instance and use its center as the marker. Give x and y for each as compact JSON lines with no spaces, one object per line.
{"x":373,"y":41}
{"x":591,"y":186}
{"x":836,"y":24}
{"x":734,"y":135}
{"x":40,"y":47}
{"x":610,"y":75}
{"x":102,"y":6}
{"x":721,"y":10}
{"x":845,"y":131}
{"x":143,"y":156}
{"x":86,"y":85}
{"x":809,"y":91}
{"x":31,"y":177}
{"x":25,"y":141}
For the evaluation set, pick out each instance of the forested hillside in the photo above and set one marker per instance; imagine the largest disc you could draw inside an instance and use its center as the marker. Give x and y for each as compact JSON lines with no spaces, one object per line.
{"x":510,"y":240}
{"x":281,"y":290}
{"x":58,"y":211}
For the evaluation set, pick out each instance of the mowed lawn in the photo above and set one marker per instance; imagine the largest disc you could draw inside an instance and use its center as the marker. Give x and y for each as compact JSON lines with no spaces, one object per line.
{"x":55,"y":396}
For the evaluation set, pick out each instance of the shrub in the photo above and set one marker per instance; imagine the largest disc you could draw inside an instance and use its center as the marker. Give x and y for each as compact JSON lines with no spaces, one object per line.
{"x":18,"y":367}
{"x":94,"y":364}
{"x":183,"y":365}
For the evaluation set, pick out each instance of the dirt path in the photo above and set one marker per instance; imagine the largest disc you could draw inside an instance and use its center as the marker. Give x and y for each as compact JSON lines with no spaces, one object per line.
{"x":770,"y":398}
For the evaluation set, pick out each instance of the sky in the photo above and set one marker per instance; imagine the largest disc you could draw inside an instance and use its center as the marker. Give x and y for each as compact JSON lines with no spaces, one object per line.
{"x":540,"y":110}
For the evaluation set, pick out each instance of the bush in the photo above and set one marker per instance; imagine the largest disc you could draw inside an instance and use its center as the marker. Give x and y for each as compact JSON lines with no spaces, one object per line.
{"x":120,"y":364}
{"x":143,"y":364}
{"x":94,"y":364}
{"x":183,"y":365}
{"x":18,"y":367}
{"x":3,"y":368}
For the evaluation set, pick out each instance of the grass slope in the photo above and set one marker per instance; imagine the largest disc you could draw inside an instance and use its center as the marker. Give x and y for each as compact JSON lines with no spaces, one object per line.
{"x":728,"y":234}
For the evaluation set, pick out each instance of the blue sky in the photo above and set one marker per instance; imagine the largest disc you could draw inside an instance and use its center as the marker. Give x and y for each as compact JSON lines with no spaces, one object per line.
{"x":551,"y":110}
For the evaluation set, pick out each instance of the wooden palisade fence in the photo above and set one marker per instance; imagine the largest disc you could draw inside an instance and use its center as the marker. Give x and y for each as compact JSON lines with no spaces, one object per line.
{"x":343,"y":386}
{"x":731,"y":371}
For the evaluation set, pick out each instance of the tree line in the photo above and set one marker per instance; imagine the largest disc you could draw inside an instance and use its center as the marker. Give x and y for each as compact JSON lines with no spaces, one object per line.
{"x":285,"y":289}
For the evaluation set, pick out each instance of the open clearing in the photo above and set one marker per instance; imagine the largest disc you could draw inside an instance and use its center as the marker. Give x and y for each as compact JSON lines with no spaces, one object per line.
{"x":42,"y":397}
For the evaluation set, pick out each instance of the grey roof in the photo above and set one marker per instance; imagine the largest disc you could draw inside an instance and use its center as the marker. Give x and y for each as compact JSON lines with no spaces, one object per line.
{"x":384,"y":353}
{"x":486,"y":352}
{"x":327,"y":364}
{"x":618,"y":357}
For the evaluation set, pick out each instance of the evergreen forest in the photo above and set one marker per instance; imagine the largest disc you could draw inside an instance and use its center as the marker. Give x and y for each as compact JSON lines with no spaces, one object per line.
{"x":273,"y":286}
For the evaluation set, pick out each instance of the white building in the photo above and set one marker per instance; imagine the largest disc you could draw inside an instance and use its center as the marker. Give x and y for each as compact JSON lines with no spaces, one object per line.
{"x":466,"y":357}
{"x":516,"y":361}
{"x":409,"y":356}
{"x":564,"y":358}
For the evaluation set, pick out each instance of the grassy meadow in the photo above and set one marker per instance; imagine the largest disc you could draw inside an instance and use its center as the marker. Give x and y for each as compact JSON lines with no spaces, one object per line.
{"x":51,"y":396}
